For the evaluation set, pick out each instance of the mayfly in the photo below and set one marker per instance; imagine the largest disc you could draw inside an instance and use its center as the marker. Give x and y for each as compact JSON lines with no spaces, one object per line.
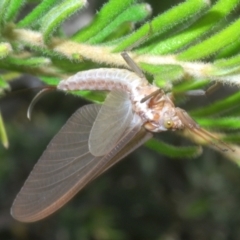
{"x":98,"y":136}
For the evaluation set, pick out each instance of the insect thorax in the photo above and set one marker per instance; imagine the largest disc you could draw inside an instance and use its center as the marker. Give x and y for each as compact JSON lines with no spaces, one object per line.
{"x":160,"y":114}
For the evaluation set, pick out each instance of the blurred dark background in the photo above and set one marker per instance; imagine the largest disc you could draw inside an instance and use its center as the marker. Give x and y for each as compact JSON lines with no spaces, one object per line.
{"x":145,"y":196}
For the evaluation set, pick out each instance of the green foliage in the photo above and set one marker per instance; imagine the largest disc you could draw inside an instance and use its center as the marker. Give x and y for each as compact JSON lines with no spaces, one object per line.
{"x":5,"y":49}
{"x":218,"y":107}
{"x":161,"y":24}
{"x":173,"y":152}
{"x":103,"y":18}
{"x":210,"y":21}
{"x":134,"y":13}
{"x":185,"y":48}
{"x":212,"y":44}
{"x":33,"y":17}
{"x":3,"y":134}
{"x":51,"y":20}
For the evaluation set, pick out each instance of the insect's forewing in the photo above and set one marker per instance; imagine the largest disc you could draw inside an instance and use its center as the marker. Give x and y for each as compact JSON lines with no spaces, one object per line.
{"x":67,"y":166}
{"x":112,"y":121}
{"x":134,"y":138}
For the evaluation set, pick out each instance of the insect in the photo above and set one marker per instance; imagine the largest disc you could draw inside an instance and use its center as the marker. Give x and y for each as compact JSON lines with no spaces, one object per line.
{"x":98,"y":136}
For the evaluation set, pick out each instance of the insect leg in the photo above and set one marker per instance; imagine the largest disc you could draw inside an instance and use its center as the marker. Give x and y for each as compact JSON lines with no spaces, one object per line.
{"x":196,"y":92}
{"x":212,"y":88}
{"x":132,"y":64}
{"x":201,"y":92}
{"x":129,"y":60}
{"x":158,"y":91}
{"x":190,"y":124}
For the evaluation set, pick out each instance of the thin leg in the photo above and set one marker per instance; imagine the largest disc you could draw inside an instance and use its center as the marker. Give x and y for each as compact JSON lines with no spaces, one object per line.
{"x":201,"y":92}
{"x":191,"y":93}
{"x":213,"y":88}
{"x":159,"y":91}
{"x":132,"y":64}
{"x":196,"y":92}
{"x":135,"y":68}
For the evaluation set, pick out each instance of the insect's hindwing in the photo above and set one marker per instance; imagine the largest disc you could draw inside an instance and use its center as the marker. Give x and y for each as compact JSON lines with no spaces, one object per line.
{"x":67,"y":166}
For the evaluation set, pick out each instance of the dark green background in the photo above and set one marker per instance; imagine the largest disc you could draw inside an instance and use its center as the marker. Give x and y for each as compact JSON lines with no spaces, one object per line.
{"x":144,"y":197}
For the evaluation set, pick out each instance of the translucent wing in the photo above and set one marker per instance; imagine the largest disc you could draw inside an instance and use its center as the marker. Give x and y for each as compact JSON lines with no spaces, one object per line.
{"x":112,"y":121}
{"x":67,"y":165}
{"x":132,"y":141}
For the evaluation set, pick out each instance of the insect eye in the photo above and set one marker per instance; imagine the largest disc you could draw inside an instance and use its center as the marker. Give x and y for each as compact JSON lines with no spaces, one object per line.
{"x":168,"y":124}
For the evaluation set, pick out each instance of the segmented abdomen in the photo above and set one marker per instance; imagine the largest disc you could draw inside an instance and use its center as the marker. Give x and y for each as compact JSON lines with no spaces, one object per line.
{"x":102,"y":79}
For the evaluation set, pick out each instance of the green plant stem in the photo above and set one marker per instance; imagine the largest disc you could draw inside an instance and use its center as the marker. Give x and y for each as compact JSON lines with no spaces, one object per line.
{"x":173,"y":152}
{"x":105,"y":16}
{"x":209,"y":21}
{"x":36,"y":14}
{"x":13,"y":9}
{"x":218,"y":107}
{"x":101,"y":54}
{"x":134,"y":13}
{"x":213,"y":44}
{"x":3,"y":133}
{"x":164,"y":22}
{"x":59,"y":14}
{"x":5,"y":50}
